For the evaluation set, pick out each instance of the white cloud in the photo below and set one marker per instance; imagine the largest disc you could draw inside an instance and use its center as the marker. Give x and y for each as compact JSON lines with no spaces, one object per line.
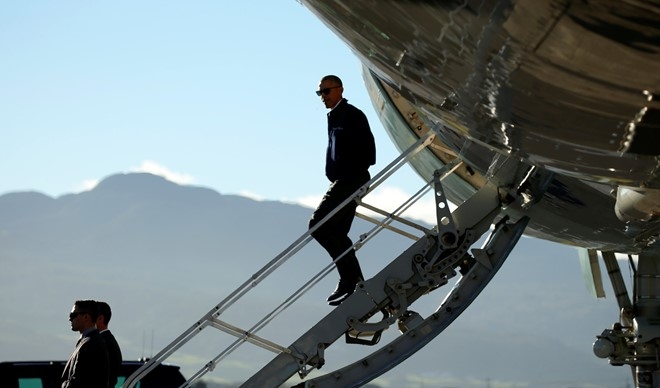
{"x":391,"y":198}
{"x":251,"y":195}
{"x":311,"y":201}
{"x":387,"y":199}
{"x":156,"y":169}
{"x":86,"y":185}
{"x":146,"y":166}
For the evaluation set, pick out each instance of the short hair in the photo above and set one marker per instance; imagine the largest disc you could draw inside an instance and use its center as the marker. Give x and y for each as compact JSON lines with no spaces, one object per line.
{"x":333,"y":78}
{"x":88,"y":307}
{"x":104,"y":309}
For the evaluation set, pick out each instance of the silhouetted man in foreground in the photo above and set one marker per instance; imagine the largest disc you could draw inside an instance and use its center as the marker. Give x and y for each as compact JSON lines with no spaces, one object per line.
{"x":88,"y":365}
{"x":351,"y":150}
{"x":114,"y":352}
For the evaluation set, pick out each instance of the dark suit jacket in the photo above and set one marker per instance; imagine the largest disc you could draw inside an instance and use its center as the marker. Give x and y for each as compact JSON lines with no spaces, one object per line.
{"x":114,"y":357}
{"x":88,"y":365}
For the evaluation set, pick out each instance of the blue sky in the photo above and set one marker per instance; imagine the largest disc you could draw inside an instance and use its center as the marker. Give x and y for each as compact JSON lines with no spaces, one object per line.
{"x":217,"y":94}
{"x":211,"y":93}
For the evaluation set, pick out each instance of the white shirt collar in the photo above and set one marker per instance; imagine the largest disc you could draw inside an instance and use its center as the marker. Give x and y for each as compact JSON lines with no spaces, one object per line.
{"x":337,"y":104}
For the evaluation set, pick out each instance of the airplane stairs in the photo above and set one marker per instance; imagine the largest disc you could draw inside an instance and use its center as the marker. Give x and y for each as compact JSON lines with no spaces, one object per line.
{"x":429,"y":263}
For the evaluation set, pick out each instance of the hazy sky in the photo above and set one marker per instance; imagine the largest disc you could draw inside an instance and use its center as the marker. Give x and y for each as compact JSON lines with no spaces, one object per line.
{"x":212,"y":93}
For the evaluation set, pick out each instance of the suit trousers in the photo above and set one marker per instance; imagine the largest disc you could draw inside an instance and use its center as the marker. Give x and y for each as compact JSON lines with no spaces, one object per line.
{"x":333,"y":234}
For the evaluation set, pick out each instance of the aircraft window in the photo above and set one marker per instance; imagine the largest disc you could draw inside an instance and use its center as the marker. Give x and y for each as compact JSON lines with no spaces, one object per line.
{"x":30,"y":383}
{"x":120,"y":382}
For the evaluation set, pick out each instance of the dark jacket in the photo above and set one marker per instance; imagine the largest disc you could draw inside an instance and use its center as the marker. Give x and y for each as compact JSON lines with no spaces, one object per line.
{"x":351,"y":148}
{"x":114,"y":357}
{"x":88,"y":365}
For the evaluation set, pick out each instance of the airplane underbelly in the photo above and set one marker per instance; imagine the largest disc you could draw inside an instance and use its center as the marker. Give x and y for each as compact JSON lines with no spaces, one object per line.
{"x":569,"y":87}
{"x":570,"y":211}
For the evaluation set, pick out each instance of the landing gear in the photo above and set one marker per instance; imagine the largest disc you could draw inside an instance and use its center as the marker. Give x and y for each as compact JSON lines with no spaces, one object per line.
{"x":635,"y":339}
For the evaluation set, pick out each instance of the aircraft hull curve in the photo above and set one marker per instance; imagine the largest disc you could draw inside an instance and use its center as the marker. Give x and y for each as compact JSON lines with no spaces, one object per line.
{"x":569,"y":88}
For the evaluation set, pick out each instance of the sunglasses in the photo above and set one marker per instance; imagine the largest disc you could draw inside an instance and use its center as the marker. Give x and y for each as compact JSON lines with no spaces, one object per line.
{"x":75,"y":314}
{"x":326,"y":90}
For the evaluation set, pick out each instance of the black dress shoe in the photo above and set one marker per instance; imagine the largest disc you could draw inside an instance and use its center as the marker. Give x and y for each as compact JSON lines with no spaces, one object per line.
{"x":344,"y":289}
{"x":339,"y":301}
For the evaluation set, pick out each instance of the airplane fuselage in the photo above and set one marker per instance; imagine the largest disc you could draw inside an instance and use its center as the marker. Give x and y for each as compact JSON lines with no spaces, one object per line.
{"x":566,"y":88}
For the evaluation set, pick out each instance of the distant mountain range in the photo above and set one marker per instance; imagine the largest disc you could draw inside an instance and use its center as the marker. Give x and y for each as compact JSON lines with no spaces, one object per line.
{"x":163,"y":255}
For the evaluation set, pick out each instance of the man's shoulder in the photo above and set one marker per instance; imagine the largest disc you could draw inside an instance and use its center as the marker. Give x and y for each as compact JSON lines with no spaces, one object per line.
{"x":109,"y":338}
{"x":96,"y":338}
{"x":107,"y":333}
{"x":349,"y":106}
{"x":352,"y":111}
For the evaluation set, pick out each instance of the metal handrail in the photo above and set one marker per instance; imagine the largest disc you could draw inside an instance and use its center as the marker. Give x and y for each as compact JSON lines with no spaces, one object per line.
{"x":210,"y":318}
